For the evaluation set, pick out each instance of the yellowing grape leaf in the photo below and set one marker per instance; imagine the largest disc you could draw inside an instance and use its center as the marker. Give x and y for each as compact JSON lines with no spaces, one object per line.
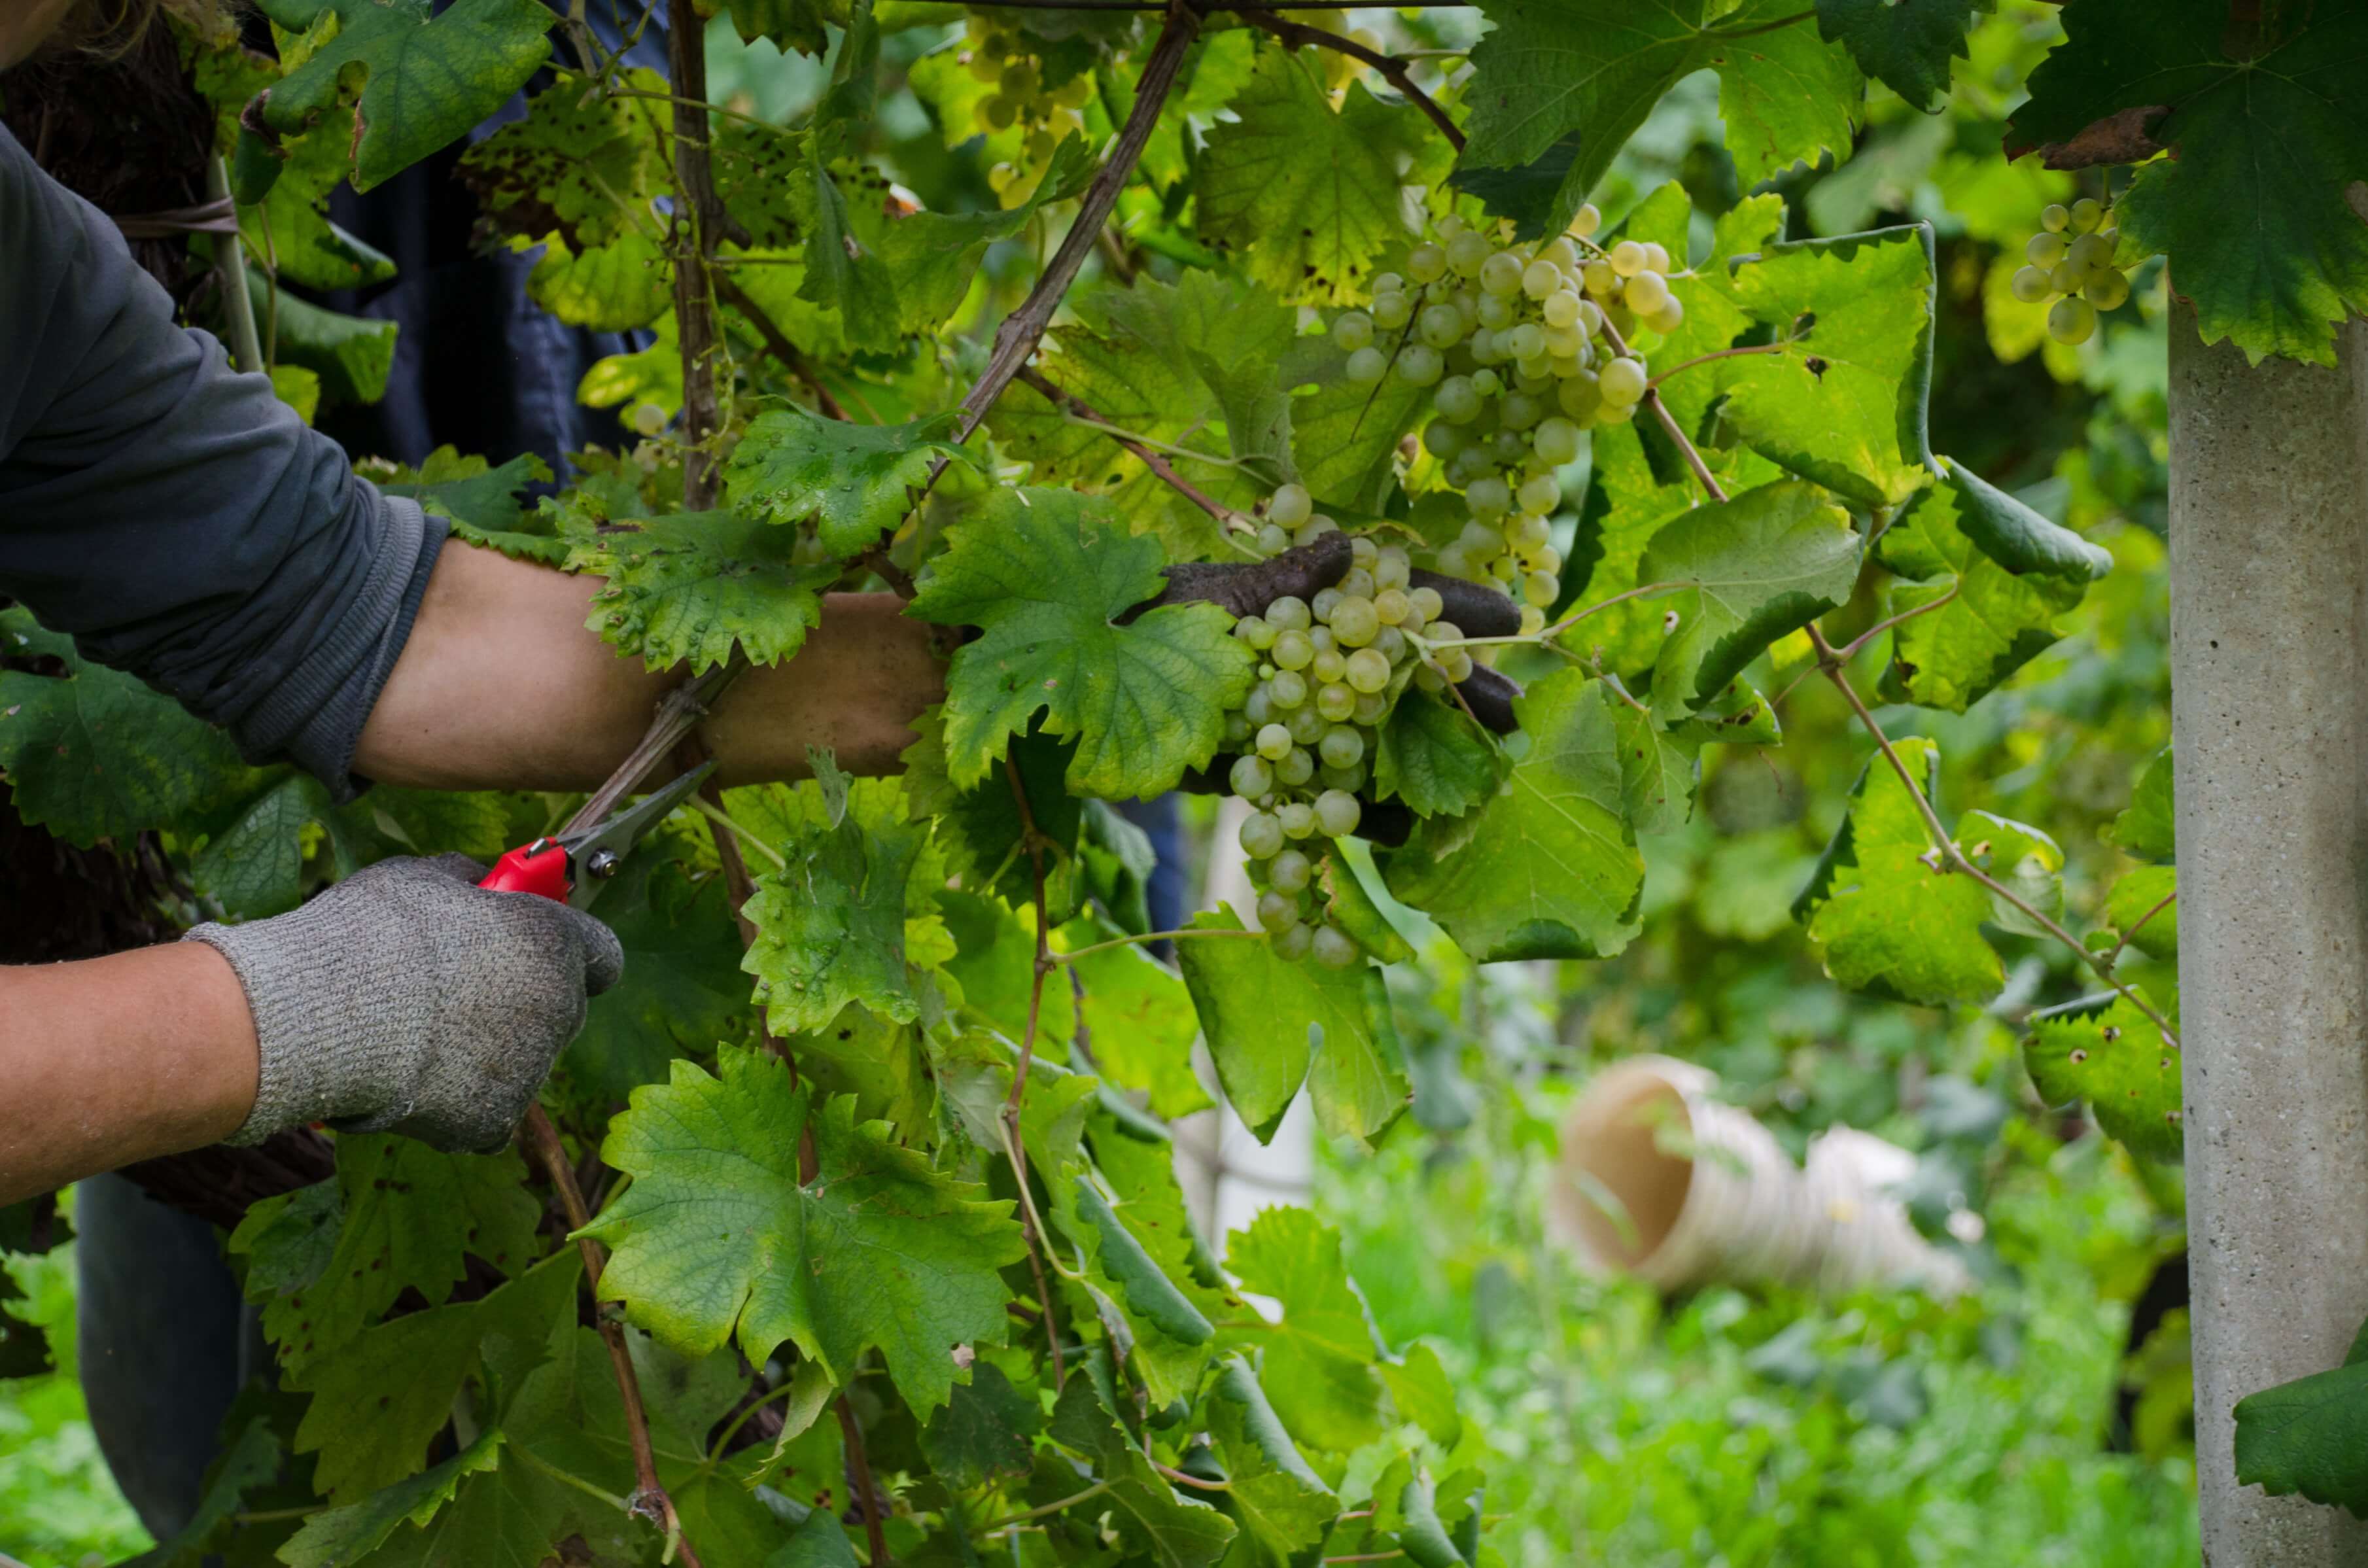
{"x":717,"y":1238}
{"x":690,"y":587}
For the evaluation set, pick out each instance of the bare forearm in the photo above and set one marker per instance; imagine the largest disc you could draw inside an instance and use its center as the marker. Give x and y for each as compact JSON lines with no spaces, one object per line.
{"x":118,"y":1059}
{"x":501,"y":687}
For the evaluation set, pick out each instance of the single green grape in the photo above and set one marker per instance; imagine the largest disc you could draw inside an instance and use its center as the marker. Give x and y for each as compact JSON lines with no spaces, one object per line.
{"x":1287,"y":689}
{"x":1334,"y":948}
{"x":1354,"y":622}
{"x":1291,"y":651}
{"x":1298,"y":819}
{"x":1456,"y":399}
{"x":1293,"y":944}
{"x":2071,"y":320}
{"x":2046,"y":249}
{"x":1467,"y":253}
{"x":1426,"y":264}
{"x":1366,"y":366}
{"x":1342,"y":746}
{"x":1259,"y":707}
{"x":1441,"y":327}
{"x":1621,"y":382}
{"x":1274,"y":745}
{"x":1337,"y":814}
{"x":1328,"y":666}
{"x":1420,"y":365}
{"x":1277,"y":912}
{"x":1251,"y":777}
{"x":1646,"y":292}
{"x":1489,"y":498}
{"x":2086,"y":213}
{"x":1426,"y":606}
{"x":1390,"y":606}
{"x":2055,"y":218}
{"x":1256,"y":631}
{"x":1289,"y":613}
{"x":1297,"y":767}
{"x":1350,"y":779}
{"x":2108,"y":291}
{"x":1290,"y":870}
{"x":1628,"y":259}
{"x":1390,"y":643}
{"x":1306,"y":726}
{"x":2089,"y":254}
{"x":1561,"y":308}
{"x":1290,"y":505}
{"x":1351,"y":330}
{"x":1442,"y":439}
{"x":1501,"y":272}
{"x":1367,"y":670}
{"x":1261,"y":834}
{"x":1668,"y":318}
{"x":2028,"y":285}
{"x":1540,"y":493}
{"x":1539,"y":588}
{"x":1336,"y":701}
{"x":1391,"y":311}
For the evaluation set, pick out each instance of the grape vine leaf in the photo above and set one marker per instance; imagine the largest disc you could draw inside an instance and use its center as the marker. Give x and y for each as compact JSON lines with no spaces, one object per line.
{"x":1188,"y":365}
{"x":690,"y":587}
{"x":481,"y":501}
{"x":1434,"y":758}
{"x":2142,"y":908}
{"x":1980,"y":618}
{"x":1141,"y":1016}
{"x":335,"y":1536}
{"x":1887,"y":919}
{"x":1151,"y":1295}
{"x":2263,"y":118}
{"x":251,"y":866}
{"x":831,"y":927}
{"x":1344,"y":435}
{"x":799,"y":25}
{"x":1273,"y":1024}
{"x":291,"y":228}
{"x":583,"y":166}
{"x":1046,"y":575}
{"x":854,"y":480}
{"x":409,"y":1214}
{"x":2310,"y":1435}
{"x":1156,"y":1524}
{"x":718,"y":1239}
{"x":1749,"y":570}
{"x":2117,"y":1059}
{"x":1842,"y":400}
{"x":1549,"y":69}
{"x":618,"y":287}
{"x":2146,"y":828}
{"x":995,"y":964}
{"x":426,"y":76}
{"x":682,"y":988}
{"x":1549,"y":867}
{"x":2024,"y":862}
{"x":351,"y":356}
{"x":94,"y":752}
{"x":1905,"y":44}
{"x":1310,"y":197}
{"x":1317,"y":1364}
{"x":985,"y":1431}
{"x":1282,"y":1504}
{"x":379,"y":1401}
{"x":1658,"y":772}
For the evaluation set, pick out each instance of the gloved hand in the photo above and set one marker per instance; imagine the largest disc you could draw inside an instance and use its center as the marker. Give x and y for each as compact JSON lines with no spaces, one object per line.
{"x":407,"y":999}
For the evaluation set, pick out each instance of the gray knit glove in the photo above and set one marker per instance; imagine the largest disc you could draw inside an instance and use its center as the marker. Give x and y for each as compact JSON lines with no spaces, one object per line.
{"x":408,"y":999}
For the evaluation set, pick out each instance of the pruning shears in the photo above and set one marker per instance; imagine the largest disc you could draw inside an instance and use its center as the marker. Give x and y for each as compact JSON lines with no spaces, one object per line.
{"x":572,"y":868}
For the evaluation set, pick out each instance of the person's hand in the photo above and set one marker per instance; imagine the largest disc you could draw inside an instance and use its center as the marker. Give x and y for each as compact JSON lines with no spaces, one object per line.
{"x":408,"y":999}
{"x":1246,"y":588}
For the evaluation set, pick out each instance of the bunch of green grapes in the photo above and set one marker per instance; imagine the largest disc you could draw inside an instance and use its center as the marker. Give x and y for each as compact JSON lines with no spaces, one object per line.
{"x":1329,"y":671}
{"x":1526,"y":346}
{"x":2071,"y":262}
{"x":998,"y":54}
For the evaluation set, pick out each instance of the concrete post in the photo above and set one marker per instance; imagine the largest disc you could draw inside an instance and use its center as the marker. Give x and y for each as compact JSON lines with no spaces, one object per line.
{"x":2269,"y":645}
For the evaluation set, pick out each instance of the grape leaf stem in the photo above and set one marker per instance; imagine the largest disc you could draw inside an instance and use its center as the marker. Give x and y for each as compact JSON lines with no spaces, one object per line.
{"x":2165,"y":902}
{"x":1044,"y":1510}
{"x":1722,"y":354}
{"x":1160,"y":467}
{"x":1850,"y":649}
{"x":649,"y":1498}
{"x":1829,"y":660}
{"x":1392,"y":69}
{"x":1015,"y":1145}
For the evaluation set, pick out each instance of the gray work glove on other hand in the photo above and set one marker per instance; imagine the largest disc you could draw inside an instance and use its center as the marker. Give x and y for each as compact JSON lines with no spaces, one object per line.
{"x":406,"y":998}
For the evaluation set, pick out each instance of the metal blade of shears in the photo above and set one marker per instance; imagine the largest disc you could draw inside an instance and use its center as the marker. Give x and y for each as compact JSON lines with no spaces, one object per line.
{"x":599,"y":851}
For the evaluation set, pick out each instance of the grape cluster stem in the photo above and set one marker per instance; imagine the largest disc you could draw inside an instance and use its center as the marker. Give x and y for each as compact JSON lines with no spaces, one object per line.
{"x":1391,"y":68}
{"x":1160,"y":467}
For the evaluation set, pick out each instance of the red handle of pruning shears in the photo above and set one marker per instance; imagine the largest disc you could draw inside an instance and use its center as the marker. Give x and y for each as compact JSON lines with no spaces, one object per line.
{"x":540,"y":868}
{"x":572,"y":867}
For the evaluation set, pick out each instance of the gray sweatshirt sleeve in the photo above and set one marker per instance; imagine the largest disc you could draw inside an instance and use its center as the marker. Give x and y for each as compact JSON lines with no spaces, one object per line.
{"x":173,"y":515}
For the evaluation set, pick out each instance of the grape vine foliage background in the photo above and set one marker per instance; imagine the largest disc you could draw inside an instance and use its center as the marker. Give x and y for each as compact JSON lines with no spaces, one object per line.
{"x":848,"y":1233}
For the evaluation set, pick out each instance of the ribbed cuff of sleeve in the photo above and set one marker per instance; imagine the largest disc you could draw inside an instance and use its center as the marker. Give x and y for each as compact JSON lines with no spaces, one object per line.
{"x":322,"y":707}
